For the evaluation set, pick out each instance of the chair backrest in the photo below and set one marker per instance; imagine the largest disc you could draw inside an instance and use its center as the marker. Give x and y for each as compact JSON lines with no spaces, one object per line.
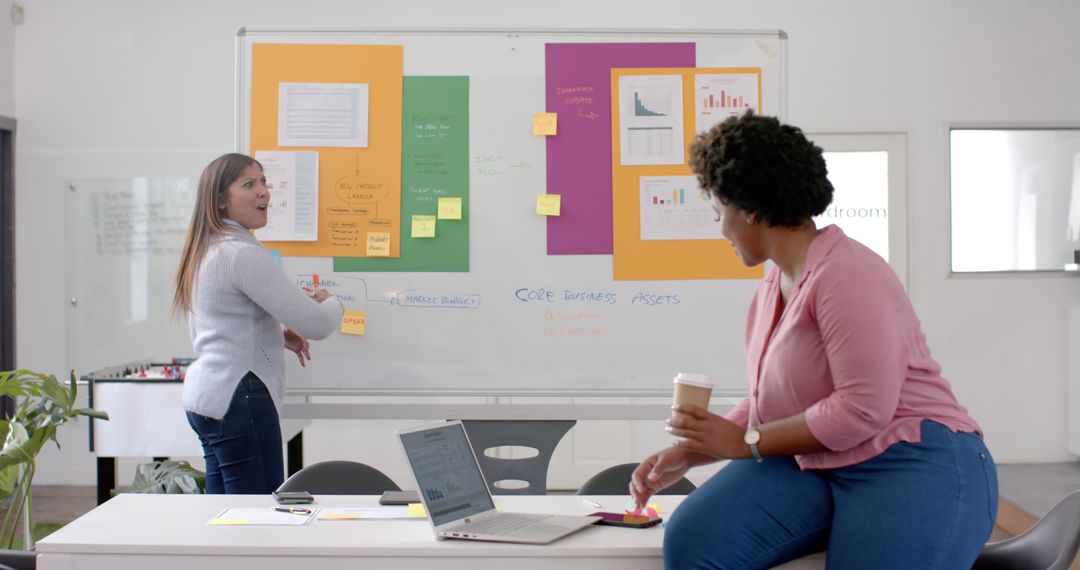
{"x":541,"y":435}
{"x":1049,"y":545}
{"x":18,"y":559}
{"x":339,"y":478}
{"x":615,"y":480}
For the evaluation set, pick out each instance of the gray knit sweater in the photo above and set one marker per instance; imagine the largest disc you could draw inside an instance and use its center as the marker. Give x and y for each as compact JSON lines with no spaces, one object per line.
{"x":239,"y":302}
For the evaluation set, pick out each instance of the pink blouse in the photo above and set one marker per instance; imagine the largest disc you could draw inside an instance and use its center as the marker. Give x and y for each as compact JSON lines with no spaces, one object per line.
{"x":848,"y":351}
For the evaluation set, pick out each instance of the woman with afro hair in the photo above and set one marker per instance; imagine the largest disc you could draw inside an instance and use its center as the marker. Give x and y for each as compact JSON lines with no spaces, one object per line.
{"x":849,"y":439}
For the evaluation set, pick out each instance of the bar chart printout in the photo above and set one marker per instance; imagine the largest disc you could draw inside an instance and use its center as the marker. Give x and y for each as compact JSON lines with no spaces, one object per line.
{"x":719,"y":96}
{"x":673,"y":207}
{"x":650,"y":119}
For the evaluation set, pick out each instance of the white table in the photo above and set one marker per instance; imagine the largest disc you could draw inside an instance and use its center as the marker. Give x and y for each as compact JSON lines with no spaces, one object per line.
{"x":166,"y":532}
{"x":169,"y":532}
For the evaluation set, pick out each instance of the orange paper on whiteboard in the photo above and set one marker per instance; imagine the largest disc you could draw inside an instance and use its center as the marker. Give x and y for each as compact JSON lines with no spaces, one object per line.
{"x":646,"y":260}
{"x":359,"y":188}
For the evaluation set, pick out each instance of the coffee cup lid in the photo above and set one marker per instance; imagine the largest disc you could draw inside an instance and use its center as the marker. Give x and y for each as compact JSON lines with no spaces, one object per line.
{"x":699,"y":380}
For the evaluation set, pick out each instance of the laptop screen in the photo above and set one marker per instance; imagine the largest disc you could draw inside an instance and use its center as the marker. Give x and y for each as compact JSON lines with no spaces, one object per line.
{"x":446,"y":473}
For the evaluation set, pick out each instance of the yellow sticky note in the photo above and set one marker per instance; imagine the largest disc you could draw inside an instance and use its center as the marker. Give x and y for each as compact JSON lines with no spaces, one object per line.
{"x":548,"y":204}
{"x":378,"y":244}
{"x":545,"y":124}
{"x":353,"y":322}
{"x":423,"y":226}
{"x":220,"y":520}
{"x":450,"y":208}
{"x":340,"y":517}
{"x":417,"y":510}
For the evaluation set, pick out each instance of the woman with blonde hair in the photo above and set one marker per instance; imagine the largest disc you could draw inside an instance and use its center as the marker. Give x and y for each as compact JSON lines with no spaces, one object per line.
{"x":236,"y":300}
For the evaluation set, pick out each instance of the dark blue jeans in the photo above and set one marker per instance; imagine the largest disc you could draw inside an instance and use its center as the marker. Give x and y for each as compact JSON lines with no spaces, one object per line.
{"x":926,"y":506}
{"x":242,"y":449}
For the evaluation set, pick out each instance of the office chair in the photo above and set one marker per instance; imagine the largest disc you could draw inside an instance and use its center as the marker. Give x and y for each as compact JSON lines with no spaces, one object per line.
{"x":339,"y":478}
{"x":18,"y":559}
{"x":615,"y":480}
{"x":541,"y":435}
{"x":1049,"y":545}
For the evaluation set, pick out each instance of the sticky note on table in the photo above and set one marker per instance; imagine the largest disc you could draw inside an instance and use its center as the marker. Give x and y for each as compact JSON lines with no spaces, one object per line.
{"x":417,"y":510}
{"x":548,"y":204}
{"x":378,"y":244}
{"x":423,"y":226}
{"x":450,"y":208}
{"x":340,"y":517}
{"x":223,"y":521}
{"x":353,"y":322}
{"x":545,"y":124}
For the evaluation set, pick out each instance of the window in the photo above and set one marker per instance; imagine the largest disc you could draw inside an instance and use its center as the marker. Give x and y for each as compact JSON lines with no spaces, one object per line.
{"x":1015,"y":199}
{"x":868,"y":173}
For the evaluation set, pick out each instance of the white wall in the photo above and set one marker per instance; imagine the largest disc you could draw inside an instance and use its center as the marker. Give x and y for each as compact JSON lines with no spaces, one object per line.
{"x":7,"y":61}
{"x":117,"y":88}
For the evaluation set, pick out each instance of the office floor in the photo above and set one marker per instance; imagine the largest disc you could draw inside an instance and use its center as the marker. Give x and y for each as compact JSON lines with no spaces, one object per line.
{"x":1031,"y":488}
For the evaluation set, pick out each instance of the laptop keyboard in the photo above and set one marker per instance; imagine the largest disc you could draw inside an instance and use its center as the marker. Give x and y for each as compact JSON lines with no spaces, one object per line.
{"x":503,"y":524}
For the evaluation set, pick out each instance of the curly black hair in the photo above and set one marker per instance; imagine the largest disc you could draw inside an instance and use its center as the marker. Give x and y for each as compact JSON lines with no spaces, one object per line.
{"x":763,"y":167}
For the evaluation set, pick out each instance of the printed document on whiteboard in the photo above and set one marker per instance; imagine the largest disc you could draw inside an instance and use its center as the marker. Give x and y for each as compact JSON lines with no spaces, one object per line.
{"x":293,"y":213}
{"x":323,"y":114}
{"x":650,"y":119}
{"x":674,"y":207}
{"x":718,"y":96}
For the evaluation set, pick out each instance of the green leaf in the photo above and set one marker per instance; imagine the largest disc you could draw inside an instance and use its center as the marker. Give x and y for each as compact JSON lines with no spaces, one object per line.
{"x":43,"y":404}
{"x":168,"y":477}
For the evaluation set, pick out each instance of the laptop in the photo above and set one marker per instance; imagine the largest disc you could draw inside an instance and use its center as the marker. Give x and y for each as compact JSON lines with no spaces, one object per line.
{"x":456,"y":496}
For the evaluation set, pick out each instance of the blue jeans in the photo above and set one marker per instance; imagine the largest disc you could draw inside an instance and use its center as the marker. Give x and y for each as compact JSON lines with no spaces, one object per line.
{"x":922,"y":506}
{"x":242,"y":449}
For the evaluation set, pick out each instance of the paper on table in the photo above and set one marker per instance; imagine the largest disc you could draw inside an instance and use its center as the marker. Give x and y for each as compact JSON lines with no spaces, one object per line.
{"x":364,"y":513}
{"x":261,"y":516}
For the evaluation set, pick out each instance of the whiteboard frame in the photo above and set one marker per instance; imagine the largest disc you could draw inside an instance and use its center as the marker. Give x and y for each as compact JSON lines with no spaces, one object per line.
{"x":241,"y":136}
{"x":246,"y":37}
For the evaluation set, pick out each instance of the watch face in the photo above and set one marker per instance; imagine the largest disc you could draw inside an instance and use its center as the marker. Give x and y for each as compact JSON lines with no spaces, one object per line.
{"x":752,"y":436}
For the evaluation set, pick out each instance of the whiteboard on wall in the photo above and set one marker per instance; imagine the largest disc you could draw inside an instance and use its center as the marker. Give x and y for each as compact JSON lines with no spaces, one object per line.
{"x":520,"y":321}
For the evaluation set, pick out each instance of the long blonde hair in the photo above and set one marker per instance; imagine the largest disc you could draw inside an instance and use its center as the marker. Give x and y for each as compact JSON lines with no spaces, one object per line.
{"x":206,"y":221}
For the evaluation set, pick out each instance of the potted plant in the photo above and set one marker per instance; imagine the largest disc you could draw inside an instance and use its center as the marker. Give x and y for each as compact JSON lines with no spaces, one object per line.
{"x":42,"y":404}
{"x":168,"y":476}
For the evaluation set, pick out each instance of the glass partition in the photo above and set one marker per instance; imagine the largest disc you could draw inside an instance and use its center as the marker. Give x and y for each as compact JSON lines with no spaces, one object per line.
{"x":123,"y":241}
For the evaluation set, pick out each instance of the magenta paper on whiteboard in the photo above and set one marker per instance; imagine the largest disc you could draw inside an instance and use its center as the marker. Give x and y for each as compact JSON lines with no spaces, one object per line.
{"x":578,"y":89}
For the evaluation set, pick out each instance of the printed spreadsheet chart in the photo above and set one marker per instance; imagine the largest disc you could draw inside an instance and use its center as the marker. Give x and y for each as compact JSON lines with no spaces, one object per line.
{"x":323,"y":114}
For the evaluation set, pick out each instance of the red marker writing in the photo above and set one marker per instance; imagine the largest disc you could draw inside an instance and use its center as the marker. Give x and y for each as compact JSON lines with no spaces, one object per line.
{"x":315,"y":281}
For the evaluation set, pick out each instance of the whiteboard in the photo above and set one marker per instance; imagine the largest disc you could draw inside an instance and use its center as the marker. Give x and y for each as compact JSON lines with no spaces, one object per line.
{"x":519,"y":321}
{"x":123,"y":241}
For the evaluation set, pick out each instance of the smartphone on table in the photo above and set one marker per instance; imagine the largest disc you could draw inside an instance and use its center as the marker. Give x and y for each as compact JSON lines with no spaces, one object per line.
{"x":293,"y":497}
{"x":399,"y":498}
{"x":627,"y":520}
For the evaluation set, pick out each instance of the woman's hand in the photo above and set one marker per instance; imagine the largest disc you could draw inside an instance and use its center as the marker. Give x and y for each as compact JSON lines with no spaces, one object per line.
{"x":320,"y":295}
{"x":298,"y":344}
{"x":658,"y":472}
{"x":707,"y":433}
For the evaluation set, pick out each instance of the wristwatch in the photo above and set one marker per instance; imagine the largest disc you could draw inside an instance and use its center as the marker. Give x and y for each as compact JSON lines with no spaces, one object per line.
{"x":752,"y":438}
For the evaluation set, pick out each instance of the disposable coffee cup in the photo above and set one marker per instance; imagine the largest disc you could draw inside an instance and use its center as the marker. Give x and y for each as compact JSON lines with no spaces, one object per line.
{"x":692,"y":389}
